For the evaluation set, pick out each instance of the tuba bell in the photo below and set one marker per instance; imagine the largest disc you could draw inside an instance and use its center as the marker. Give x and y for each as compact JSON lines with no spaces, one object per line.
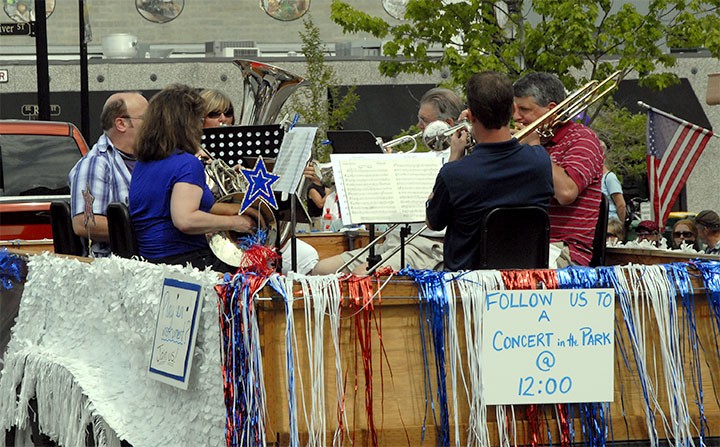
{"x":265,"y":90}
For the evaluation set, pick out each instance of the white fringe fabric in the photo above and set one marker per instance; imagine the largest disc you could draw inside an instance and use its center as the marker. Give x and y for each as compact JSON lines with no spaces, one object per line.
{"x":321,"y":295}
{"x":81,"y":346}
{"x":472,"y":287}
{"x":664,"y":303}
{"x":635,"y":303}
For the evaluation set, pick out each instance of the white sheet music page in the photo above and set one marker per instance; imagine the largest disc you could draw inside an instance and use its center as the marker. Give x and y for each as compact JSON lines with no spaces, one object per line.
{"x":295,"y":152}
{"x":384,"y":188}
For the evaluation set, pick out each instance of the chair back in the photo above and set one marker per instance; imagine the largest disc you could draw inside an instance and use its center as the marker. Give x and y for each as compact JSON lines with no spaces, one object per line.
{"x":514,"y":237}
{"x":120,"y":230}
{"x":65,"y":241}
{"x":600,"y":238}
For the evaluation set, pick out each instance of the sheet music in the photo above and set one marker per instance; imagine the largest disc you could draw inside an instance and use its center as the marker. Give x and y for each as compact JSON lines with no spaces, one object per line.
{"x":295,"y":152}
{"x":384,"y":188}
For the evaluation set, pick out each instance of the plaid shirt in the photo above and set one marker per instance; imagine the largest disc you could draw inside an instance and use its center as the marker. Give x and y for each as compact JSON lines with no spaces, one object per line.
{"x":103,"y":173}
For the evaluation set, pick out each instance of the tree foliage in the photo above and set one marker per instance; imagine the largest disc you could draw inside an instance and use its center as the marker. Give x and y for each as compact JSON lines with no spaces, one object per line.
{"x":312,"y":102}
{"x":558,"y":36}
{"x":577,"y":40}
{"x":624,"y":134}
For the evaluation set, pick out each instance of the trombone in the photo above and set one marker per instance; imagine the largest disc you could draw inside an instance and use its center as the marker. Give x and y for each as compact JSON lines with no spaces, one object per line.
{"x":569,"y":108}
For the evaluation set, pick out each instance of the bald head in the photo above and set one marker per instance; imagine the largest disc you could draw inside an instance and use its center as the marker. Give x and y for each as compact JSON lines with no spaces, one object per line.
{"x":121,"y":116}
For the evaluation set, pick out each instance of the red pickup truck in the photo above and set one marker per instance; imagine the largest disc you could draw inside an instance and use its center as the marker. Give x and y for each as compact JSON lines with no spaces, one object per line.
{"x":35,"y":159}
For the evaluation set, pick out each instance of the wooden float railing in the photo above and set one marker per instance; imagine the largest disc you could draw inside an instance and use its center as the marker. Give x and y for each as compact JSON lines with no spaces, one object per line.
{"x":399,"y":398}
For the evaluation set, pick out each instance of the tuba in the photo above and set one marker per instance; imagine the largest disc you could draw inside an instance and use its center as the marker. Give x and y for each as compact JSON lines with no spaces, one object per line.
{"x":265,"y":90}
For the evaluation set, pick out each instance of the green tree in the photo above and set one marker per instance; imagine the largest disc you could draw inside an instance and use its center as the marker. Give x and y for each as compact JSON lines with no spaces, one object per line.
{"x":312,"y":103}
{"x":565,"y":37}
{"x":562,"y":36}
{"x":624,"y":133}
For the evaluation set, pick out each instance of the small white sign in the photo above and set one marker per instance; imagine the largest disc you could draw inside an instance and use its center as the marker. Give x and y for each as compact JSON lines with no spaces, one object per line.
{"x":3,"y":75}
{"x":175,"y":332}
{"x":548,"y":346}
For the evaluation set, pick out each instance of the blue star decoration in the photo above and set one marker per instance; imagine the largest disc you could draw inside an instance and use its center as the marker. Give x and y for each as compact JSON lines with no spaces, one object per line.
{"x":260,"y":185}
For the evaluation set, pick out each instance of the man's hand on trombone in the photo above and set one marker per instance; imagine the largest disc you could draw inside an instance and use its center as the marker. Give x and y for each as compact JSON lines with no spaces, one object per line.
{"x":459,"y":140}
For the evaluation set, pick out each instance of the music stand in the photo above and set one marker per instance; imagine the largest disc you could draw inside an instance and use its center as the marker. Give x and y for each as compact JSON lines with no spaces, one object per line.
{"x":357,"y":142}
{"x":354,"y":142}
{"x":233,"y":144}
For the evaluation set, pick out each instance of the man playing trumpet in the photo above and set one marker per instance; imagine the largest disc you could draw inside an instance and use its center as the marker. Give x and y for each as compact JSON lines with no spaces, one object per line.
{"x":498,"y":172}
{"x":426,"y":250}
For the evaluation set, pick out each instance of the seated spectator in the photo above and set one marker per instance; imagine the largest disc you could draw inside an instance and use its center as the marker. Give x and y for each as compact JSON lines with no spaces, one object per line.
{"x":685,"y":232}
{"x":708,"y":227}
{"x":317,"y":194}
{"x":647,"y":230}
{"x":612,"y":189}
{"x":615,"y":232}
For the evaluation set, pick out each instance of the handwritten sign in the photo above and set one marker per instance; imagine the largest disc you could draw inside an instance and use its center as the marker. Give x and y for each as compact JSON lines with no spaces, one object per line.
{"x":548,"y":346}
{"x":384,"y":188}
{"x":175,"y":332}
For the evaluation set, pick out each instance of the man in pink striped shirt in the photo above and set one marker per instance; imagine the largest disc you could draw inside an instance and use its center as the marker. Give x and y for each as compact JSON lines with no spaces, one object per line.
{"x":577,"y":160}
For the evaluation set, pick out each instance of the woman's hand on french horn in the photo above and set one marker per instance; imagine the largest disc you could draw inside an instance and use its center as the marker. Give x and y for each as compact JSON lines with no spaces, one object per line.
{"x":243,"y":223}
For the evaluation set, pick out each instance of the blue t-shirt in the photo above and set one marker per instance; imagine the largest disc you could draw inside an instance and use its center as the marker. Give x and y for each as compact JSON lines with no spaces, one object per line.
{"x":150,"y":191}
{"x":493,"y":175}
{"x":611,"y":185}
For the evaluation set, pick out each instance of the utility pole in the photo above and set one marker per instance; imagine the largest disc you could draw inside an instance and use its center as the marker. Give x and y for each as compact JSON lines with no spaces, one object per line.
{"x":41,"y":61}
{"x":84,"y":89}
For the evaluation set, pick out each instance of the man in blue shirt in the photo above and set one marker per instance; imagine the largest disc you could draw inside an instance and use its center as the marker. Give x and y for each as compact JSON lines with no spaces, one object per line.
{"x":103,"y":175}
{"x":498,"y":172}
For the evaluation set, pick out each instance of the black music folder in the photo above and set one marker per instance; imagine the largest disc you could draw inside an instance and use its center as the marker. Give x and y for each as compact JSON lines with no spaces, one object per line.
{"x":234,"y":144}
{"x":354,"y":142}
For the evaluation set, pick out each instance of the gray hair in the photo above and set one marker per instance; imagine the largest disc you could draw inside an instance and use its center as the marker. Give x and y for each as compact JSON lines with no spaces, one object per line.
{"x":447,"y":103}
{"x":544,"y":88}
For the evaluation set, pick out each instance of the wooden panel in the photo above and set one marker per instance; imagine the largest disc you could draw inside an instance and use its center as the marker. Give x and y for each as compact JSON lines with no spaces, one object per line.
{"x":625,"y":256}
{"x":331,"y":244}
{"x":399,"y":396}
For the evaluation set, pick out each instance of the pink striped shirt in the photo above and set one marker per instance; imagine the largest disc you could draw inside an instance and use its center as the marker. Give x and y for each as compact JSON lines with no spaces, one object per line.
{"x":576,"y":149}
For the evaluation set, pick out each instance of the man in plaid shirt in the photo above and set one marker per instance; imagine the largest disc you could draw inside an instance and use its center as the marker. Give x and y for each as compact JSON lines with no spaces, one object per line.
{"x":103,"y":175}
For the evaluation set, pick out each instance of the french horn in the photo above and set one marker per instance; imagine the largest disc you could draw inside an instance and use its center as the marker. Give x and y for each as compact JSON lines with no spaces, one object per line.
{"x":265,"y":90}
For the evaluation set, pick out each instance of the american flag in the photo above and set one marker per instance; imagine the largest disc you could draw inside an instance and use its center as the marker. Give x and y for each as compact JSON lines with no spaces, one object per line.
{"x":673,"y":148}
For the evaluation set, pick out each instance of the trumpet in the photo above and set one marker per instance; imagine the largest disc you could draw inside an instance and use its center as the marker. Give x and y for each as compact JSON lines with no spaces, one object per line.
{"x":569,"y":108}
{"x":436,"y":136}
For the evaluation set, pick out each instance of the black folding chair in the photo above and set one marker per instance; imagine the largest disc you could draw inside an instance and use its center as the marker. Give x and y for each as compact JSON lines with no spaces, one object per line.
{"x":514,"y":238}
{"x":600,"y":238}
{"x":65,"y":241}
{"x":120,"y":231}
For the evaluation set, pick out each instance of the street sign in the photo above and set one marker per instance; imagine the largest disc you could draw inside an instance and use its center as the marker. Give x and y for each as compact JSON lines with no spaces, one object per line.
{"x":33,"y":110}
{"x":17,"y":29}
